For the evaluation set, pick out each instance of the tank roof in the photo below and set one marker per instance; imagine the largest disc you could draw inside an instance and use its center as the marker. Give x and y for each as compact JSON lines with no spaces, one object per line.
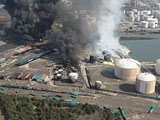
{"x":146,"y":77}
{"x":127,"y":63}
{"x":99,"y":82}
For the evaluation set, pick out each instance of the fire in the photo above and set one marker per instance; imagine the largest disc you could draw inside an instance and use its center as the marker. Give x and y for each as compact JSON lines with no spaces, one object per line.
{"x":40,"y":39}
{"x":39,"y":42}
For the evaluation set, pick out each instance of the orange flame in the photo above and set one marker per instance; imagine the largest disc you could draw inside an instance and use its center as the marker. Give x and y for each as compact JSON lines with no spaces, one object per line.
{"x":40,"y":39}
{"x":37,"y":43}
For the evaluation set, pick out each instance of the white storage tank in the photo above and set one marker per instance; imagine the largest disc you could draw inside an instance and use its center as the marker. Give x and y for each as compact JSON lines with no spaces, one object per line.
{"x":98,"y":84}
{"x":73,"y":76}
{"x":157,"y":67}
{"x":126,"y":69}
{"x":145,"y":83}
{"x":144,"y":24}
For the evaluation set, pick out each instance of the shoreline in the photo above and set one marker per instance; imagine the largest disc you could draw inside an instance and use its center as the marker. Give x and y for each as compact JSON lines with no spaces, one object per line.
{"x":136,"y":38}
{"x":139,"y":31}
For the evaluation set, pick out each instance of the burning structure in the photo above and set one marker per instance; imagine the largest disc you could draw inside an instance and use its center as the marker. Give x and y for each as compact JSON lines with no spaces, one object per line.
{"x":70,"y":30}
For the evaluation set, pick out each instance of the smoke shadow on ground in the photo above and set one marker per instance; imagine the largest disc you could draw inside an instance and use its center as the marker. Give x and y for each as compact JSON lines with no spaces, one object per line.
{"x":108,"y":73}
{"x":128,"y":88}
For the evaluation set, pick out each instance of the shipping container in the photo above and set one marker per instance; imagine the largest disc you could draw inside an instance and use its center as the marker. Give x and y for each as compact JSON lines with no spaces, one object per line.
{"x":33,"y":94}
{"x":14,"y":76}
{"x":2,"y":89}
{"x":75,"y":103}
{"x":73,"y":96}
{"x":58,"y":96}
{"x":44,"y":96}
{"x":18,"y":77}
{"x":152,"y":108}
{"x":68,"y":100}
{"x":18,"y":90}
{"x":39,"y":99}
{"x":23,"y":76}
{"x":122,"y":112}
{"x":74,"y":93}
{"x":36,"y":77}
{"x":55,"y":98}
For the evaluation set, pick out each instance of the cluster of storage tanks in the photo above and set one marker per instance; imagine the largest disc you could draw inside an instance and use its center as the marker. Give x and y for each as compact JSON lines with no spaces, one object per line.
{"x":129,"y":69}
{"x":146,"y":18}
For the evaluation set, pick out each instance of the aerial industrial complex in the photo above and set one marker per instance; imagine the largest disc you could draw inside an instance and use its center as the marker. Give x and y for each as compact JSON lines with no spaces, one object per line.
{"x":37,"y":70}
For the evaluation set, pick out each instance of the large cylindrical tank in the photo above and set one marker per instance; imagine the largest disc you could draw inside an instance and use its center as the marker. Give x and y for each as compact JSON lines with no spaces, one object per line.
{"x":157,"y":67}
{"x":93,"y":58}
{"x":59,"y":76}
{"x":126,"y":69}
{"x":98,"y":84}
{"x":73,"y":77}
{"x":145,"y":83}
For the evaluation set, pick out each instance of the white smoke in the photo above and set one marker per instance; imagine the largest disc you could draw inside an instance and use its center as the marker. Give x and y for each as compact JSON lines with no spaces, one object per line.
{"x":110,"y":16}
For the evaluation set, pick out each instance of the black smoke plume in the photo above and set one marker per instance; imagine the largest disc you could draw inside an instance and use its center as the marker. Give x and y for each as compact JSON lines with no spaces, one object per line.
{"x":71,"y":31}
{"x":31,"y":18}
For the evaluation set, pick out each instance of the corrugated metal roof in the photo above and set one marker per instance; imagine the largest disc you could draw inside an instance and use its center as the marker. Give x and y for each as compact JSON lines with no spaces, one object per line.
{"x":29,"y":76}
{"x":15,"y":75}
{"x":24,"y":75}
{"x":36,"y":77}
{"x":32,"y":58}
{"x":20,"y":75}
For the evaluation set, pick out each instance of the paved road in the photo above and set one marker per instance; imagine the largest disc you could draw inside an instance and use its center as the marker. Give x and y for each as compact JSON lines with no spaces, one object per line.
{"x":135,"y":108}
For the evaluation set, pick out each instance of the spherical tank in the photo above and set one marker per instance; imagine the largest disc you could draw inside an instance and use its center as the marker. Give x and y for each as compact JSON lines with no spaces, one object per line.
{"x":157,"y":67}
{"x":126,"y":69}
{"x":145,"y":83}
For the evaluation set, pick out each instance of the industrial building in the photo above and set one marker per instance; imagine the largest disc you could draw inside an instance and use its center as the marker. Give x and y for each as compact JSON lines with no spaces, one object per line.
{"x":22,"y":62}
